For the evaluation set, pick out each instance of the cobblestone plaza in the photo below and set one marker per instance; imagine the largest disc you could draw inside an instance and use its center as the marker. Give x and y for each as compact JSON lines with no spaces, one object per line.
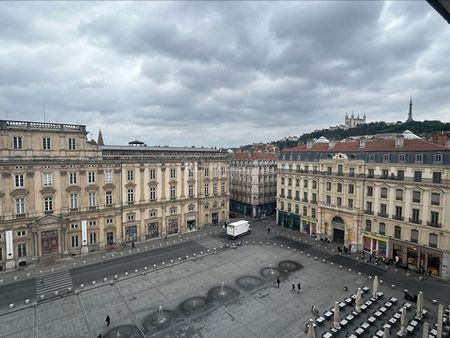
{"x":187,"y":299}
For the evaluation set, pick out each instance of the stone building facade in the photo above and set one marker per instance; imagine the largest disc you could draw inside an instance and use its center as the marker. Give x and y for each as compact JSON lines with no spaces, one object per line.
{"x":253,"y":183}
{"x":61,"y":194}
{"x":387,"y":198}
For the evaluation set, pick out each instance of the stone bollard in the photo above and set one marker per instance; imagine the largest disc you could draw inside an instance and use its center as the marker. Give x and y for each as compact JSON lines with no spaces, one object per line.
{"x":281,"y":246}
{"x":171,"y":261}
{"x":349,"y":270}
{"x":27,"y":301}
{"x":15,"y":277}
{"x":42,"y":296}
{"x":207,"y":250}
{"x":154,"y":266}
{"x":179,"y":258}
{"x":359,"y":273}
{"x":11,"y":306}
{"x":145,"y":268}
{"x":121,"y":253}
{"x":112,"y":255}
{"x":308,"y":255}
{"x":267,"y":243}
{"x":84,"y":262}
{"x":28,"y":274}
{"x":163,"y":263}
{"x":77,"y":292}
{"x":103,"y":257}
{"x":56,"y":293}
{"x":331,"y":263}
{"x":393,"y":286}
{"x":289,"y":248}
{"x":136,"y":271}
{"x":137,"y":250}
{"x":82,"y":286}
{"x":53,"y":269}
{"x":93,"y":282}
{"x":201,"y":252}
{"x":69,"y":289}
{"x":301,"y":251}
{"x":116,"y":276}
{"x":74,"y":263}
{"x":145,"y":248}
{"x":34,"y":304}
{"x":323,"y":260}
{"x":126,"y":273}
{"x":1,"y":281}
{"x":315,"y":258}
{"x":105,"y":280}
{"x":370,"y":277}
{"x":129,"y":251}
{"x":340,"y":266}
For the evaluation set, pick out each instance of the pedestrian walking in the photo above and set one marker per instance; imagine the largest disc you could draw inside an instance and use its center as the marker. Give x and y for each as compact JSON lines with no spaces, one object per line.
{"x":99,"y":336}
{"x":165,"y":237}
{"x":108,"y":320}
{"x":268,"y":230}
{"x":339,"y":249}
{"x":293,"y":287}
{"x":370,"y":258}
{"x":278,"y":282}
{"x":299,"y":287}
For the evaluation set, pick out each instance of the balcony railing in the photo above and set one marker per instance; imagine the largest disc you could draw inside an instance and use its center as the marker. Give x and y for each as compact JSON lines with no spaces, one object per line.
{"x":398,"y":218}
{"x":314,"y":202}
{"x":415,"y":221}
{"x":305,"y":200}
{"x":368,"y":212}
{"x":434,"y":224}
{"x":383,"y":214}
{"x":48,"y":212}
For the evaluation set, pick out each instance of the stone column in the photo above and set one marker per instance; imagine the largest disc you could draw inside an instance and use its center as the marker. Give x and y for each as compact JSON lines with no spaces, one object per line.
{"x":182,"y":180}
{"x":64,"y":238}
{"x":141,"y":180}
{"x":163,"y":182}
{"x":34,"y":243}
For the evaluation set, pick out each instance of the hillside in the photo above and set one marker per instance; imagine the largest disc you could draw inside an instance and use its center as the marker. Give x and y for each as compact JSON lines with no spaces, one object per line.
{"x":422,"y":128}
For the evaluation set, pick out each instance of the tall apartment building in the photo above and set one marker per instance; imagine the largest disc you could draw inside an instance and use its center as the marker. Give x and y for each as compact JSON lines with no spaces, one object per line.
{"x":387,"y":197}
{"x":61,"y":194}
{"x":253,"y":185}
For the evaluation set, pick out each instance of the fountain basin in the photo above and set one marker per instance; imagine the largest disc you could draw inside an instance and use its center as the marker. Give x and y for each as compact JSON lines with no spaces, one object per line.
{"x":227,"y":294}
{"x":249,"y":282}
{"x":129,"y":331}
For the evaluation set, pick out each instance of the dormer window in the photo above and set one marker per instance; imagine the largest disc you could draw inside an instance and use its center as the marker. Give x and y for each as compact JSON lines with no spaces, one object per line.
{"x":419,"y":158}
{"x":437,"y":158}
{"x":386,"y":157}
{"x":371,"y":157}
{"x":402,"y":158}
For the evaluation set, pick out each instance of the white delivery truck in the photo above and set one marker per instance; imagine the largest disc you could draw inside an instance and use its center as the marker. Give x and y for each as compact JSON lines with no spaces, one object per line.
{"x":237,"y":229}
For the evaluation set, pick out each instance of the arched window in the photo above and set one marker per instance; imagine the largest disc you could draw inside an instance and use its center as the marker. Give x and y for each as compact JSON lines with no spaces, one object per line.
{"x":382,"y":229}
{"x":433,"y":240}
{"x":397,"y":232}
{"x":414,"y":236}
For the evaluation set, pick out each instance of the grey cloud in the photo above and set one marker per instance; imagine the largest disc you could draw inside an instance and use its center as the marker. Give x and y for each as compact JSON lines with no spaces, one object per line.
{"x":220,"y":73}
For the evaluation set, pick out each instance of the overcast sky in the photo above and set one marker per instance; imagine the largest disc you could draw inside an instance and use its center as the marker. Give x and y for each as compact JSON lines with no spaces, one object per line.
{"x":222,"y":73}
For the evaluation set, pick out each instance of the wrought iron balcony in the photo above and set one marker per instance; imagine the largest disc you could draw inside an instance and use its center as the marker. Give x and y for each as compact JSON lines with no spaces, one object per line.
{"x":434,"y":224}
{"x":415,"y":220}
{"x":398,"y":218}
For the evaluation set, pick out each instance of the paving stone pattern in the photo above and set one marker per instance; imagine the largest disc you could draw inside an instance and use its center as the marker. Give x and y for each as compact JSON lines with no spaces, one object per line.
{"x":133,"y":301}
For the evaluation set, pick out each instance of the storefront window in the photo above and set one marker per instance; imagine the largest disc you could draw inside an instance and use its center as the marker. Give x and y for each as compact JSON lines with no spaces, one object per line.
{"x":433,"y":264}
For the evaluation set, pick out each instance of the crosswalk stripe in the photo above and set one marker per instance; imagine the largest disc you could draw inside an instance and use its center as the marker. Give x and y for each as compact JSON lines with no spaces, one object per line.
{"x":53,"y":282}
{"x":209,"y":243}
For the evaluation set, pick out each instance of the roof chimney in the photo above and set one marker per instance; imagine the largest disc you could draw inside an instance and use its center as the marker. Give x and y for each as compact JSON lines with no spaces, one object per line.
{"x":399,"y":141}
{"x":362,"y":142}
{"x":309,"y":144}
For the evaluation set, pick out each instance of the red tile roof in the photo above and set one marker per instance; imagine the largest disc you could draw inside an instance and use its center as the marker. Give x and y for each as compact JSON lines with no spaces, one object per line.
{"x":371,"y":146}
{"x":245,"y":155}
